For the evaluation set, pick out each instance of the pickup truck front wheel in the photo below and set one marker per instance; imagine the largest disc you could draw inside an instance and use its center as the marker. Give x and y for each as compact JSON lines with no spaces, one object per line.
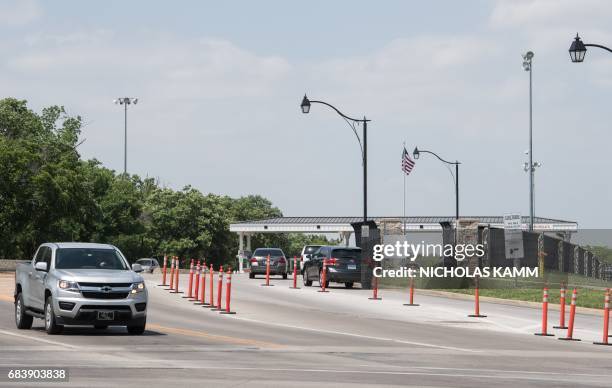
{"x":22,"y":320}
{"x":51,"y":325}
{"x":137,"y":327}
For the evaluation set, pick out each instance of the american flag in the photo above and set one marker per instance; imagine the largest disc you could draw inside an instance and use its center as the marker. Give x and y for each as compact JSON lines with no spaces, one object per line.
{"x":407,"y":163}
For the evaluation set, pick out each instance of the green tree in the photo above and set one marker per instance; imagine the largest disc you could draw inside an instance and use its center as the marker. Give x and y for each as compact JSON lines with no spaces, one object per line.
{"x":48,"y":193}
{"x":604,"y":253}
{"x":40,"y":183}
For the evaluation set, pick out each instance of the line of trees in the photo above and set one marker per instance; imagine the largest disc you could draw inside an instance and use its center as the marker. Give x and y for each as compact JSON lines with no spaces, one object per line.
{"x":48,"y":193}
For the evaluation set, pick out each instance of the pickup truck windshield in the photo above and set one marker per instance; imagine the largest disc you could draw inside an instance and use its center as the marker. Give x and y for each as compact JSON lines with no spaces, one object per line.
{"x":85,"y":258}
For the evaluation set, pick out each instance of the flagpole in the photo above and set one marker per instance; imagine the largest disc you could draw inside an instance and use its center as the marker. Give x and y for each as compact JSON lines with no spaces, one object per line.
{"x":404,"y":197}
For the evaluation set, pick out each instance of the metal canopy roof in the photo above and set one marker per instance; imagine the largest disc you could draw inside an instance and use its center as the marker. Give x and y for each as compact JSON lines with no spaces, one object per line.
{"x":419,"y":223}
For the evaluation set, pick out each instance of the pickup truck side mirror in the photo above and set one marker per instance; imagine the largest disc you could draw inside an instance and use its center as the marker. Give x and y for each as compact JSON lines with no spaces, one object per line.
{"x":40,"y":266}
{"x":136,"y":267}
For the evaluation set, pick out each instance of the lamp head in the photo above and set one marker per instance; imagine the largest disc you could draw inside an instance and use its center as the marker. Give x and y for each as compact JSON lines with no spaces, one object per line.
{"x":416,"y":153}
{"x":577,"y":50}
{"x":527,"y":60}
{"x":305,"y":105}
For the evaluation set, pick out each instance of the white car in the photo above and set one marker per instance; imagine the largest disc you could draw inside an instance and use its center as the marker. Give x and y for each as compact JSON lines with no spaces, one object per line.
{"x":148,"y":264}
{"x":306,"y":255}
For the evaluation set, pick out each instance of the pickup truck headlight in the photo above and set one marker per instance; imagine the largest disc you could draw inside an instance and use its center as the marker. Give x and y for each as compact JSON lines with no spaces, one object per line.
{"x":138,"y":287}
{"x":68,"y":285}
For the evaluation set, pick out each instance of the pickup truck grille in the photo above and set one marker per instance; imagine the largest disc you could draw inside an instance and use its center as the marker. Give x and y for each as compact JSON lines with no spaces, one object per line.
{"x":85,"y":284}
{"x":105,"y":295}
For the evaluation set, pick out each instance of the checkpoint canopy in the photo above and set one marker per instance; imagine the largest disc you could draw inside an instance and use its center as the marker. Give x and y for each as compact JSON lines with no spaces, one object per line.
{"x":344,"y":228}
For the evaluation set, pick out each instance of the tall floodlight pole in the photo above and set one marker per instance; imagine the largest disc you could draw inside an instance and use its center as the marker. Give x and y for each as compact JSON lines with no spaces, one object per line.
{"x":125,"y":101}
{"x":534,"y":166}
{"x":528,"y":66}
{"x":305,"y":105}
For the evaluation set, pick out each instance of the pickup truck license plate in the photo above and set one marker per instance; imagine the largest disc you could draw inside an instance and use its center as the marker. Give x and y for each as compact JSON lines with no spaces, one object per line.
{"x":106,"y":315}
{"x":352,"y":266}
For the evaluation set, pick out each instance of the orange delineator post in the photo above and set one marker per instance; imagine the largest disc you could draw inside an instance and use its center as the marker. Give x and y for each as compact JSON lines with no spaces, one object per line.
{"x":164,"y":271}
{"x":267,"y":284}
{"x":212,"y":286}
{"x":570,"y":328}
{"x":202,"y":301}
{"x":561,"y":309}
{"x":294,"y":273}
{"x":211,"y":303}
{"x":324,"y":277}
{"x":228,"y":294}
{"x":219,"y":290}
{"x":196,"y":291}
{"x":190,"y":285}
{"x":171,"y":275}
{"x":411,"y":294}
{"x":606,"y":322}
{"x":176,"y":277}
{"x":609,"y":292}
{"x":375,"y":290}
{"x":544,"y":331}
{"x":477,"y":303}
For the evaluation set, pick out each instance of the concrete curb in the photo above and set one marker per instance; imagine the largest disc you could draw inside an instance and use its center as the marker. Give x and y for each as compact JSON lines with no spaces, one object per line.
{"x":508,"y":302}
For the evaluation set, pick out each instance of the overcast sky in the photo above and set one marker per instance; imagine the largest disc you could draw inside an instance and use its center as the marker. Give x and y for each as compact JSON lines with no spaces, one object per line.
{"x":220,"y":85}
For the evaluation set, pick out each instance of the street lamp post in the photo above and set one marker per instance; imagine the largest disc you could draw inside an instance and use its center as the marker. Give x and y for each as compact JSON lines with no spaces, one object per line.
{"x":417,"y":152}
{"x":527,"y":65}
{"x":125,"y":101}
{"x":305,"y":105}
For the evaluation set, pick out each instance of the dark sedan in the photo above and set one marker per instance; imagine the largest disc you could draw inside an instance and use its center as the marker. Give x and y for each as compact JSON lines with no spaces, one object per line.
{"x":278,"y":262}
{"x":343,"y":266}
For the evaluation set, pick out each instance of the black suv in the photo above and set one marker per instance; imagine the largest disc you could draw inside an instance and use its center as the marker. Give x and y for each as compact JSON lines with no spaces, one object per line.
{"x":343,"y":266}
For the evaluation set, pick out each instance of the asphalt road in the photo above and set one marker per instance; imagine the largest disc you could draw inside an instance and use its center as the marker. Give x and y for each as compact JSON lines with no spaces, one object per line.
{"x":281,"y":337}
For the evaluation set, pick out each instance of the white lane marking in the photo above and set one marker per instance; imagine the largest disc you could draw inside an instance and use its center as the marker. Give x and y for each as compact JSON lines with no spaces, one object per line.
{"x":546,"y":376}
{"x":358,"y":335}
{"x":5,"y":332}
{"x":491,"y":370}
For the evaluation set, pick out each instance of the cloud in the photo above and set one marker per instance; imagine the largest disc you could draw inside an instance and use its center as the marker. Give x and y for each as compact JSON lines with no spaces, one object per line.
{"x":19,"y":12}
{"x":176,"y":67}
{"x":550,"y":13}
{"x":417,"y":75}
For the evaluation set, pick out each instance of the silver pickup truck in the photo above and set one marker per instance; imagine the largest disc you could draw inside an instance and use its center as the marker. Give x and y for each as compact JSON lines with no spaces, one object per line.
{"x":80,"y":284}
